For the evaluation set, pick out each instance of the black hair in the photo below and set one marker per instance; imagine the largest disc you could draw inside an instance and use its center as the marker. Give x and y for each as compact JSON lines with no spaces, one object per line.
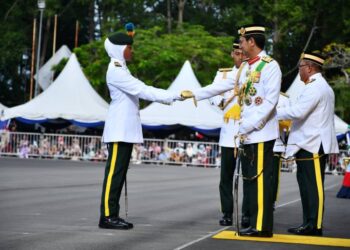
{"x":258,"y":38}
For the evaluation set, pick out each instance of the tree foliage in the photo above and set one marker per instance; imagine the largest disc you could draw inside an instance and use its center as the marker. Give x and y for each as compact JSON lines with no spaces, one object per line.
{"x":162,"y":45}
{"x":158,"y":56}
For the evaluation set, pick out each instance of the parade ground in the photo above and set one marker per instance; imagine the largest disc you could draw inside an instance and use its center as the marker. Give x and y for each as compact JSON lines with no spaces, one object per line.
{"x":54,"y":204}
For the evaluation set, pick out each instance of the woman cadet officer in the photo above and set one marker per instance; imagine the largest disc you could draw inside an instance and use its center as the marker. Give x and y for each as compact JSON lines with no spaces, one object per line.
{"x":123,"y":125}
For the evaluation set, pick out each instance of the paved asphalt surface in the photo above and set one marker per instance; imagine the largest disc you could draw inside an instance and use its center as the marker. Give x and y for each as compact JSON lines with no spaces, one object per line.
{"x":51,"y":204}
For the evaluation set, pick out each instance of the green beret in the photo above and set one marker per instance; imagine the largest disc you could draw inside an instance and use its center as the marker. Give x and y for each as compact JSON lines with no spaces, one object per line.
{"x":120,"y":39}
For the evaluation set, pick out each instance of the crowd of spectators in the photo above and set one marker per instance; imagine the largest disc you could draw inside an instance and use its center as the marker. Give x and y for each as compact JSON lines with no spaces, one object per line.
{"x":56,"y":147}
{"x":173,"y":152}
{"x":185,"y":153}
{"x":90,"y":148}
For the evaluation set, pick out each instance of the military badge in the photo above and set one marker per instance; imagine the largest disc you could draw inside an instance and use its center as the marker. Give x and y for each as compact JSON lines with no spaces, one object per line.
{"x":267,"y":59}
{"x":255,"y":76}
{"x":248,"y":101}
{"x":252,"y":91}
{"x":117,"y":64}
{"x":258,"y":100}
{"x":242,"y":31}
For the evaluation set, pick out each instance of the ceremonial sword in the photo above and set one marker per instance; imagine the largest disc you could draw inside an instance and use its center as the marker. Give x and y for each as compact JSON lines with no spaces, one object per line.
{"x":236,"y":182}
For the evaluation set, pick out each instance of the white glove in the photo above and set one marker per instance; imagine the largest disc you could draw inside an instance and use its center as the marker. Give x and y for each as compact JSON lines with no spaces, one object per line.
{"x":245,"y":128}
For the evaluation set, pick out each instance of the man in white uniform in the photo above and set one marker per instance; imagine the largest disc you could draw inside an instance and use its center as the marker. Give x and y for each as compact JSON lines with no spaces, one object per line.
{"x":226,"y":83}
{"x":311,"y":139}
{"x":123,"y":125}
{"x":229,"y":129}
{"x":261,"y":83}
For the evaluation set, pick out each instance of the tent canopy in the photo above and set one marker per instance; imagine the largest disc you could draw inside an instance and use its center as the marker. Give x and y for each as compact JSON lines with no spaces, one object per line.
{"x":69,"y":97}
{"x":297,"y":87}
{"x":204,"y":118}
{"x":45,"y":72}
{"x":2,"y":123}
{"x":2,"y":107}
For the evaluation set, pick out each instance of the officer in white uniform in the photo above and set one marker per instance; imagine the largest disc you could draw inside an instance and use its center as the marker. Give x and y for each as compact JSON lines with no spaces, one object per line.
{"x":260,"y":83}
{"x":229,"y":129}
{"x":123,"y":124}
{"x":311,"y":139}
{"x":223,"y":92}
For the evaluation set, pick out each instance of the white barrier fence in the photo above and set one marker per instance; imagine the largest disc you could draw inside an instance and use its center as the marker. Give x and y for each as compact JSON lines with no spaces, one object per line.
{"x":159,"y":151}
{"x":78,"y":147}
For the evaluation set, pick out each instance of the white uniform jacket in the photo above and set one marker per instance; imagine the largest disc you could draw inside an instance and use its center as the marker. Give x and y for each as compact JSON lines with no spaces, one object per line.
{"x":258,"y":118}
{"x":123,"y":121}
{"x":219,"y":85}
{"x":229,"y":129}
{"x":313,"y":118}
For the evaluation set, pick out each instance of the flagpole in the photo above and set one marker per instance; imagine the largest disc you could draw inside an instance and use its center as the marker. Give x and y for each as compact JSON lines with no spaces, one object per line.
{"x":33,"y":61}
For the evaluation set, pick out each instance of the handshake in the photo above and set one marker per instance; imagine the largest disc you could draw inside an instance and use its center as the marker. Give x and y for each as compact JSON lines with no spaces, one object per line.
{"x":186,"y":94}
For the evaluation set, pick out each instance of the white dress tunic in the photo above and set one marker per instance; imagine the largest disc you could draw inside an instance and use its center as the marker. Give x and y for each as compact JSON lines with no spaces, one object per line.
{"x":258,"y":119}
{"x":313,"y":118}
{"x":229,"y":128}
{"x":123,"y":123}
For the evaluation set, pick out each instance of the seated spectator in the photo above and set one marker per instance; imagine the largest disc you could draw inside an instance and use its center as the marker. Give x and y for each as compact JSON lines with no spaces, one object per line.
{"x":189,"y":152}
{"x":164,"y":155}
{"x":24,"y":148}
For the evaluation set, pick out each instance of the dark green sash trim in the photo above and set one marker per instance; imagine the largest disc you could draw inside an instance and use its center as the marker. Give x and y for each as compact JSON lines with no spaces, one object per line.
{"x":250,"y":83}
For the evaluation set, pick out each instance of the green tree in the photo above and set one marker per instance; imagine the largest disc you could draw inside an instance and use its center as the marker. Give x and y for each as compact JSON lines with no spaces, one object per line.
{"x":337,"y":69}
{"x":158,"y":56}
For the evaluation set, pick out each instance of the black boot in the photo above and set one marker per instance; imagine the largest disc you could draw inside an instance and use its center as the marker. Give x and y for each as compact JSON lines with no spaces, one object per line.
{"x":307,"y":229}
{"x":113,"y":222}
{"x":226,"y":220}
{"x":294,"y":229}
{"x":245,"y":221}
{"x":252,"y":232}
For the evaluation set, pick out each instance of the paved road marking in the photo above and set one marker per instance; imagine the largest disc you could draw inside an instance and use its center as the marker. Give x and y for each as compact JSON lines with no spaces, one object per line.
{"x":290,"y":239}
{"x":223,"y":229}
{"x":290,"y":202}
{"x":202,"y":238}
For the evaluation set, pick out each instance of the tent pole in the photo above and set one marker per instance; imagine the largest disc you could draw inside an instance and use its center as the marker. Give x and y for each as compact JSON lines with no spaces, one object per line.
{"x":54,"y":36}
{"x":76,"y":34}
{"x":33,"y":61}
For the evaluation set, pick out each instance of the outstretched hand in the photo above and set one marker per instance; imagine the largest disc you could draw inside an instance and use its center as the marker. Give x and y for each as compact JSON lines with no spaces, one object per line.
{"x":186,"y":94}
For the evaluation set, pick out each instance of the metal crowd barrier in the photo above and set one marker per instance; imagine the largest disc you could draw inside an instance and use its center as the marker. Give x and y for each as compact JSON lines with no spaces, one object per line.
{"x":155,"y":151}
{"x":80,"y":147}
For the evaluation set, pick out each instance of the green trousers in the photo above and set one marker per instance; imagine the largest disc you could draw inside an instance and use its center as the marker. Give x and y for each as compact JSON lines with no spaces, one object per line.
{"x":228,"y":165}
{"x":276,"y":170}
{"x":310,"y":177}
{"x":257,"y":172}
{"x":119,"y":154}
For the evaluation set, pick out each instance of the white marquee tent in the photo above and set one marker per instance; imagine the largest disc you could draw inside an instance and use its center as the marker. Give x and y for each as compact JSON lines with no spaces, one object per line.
{"x":297,"y":87}
{"x":45,"y":72}
{"x":2,"y":107}
{"x":205,"y":117}
{"x":70,"y":97}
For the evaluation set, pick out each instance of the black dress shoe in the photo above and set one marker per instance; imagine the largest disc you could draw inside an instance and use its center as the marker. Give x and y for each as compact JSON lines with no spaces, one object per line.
{"x":308,"y":229}
{"x":294,"y":229}
{"x":226,"y":220}
{"x":114,"y":223}
{"x":245,"y":222}
{"x":252,"y":232}
{"x":130,"y":225}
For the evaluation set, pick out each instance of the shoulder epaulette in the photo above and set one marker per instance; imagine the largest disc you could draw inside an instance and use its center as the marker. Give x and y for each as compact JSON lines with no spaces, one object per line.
{"x":284,"y":94}
{"x":117,"y":64}
{"x":267,"y":59}
{"x":225,"y":69}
